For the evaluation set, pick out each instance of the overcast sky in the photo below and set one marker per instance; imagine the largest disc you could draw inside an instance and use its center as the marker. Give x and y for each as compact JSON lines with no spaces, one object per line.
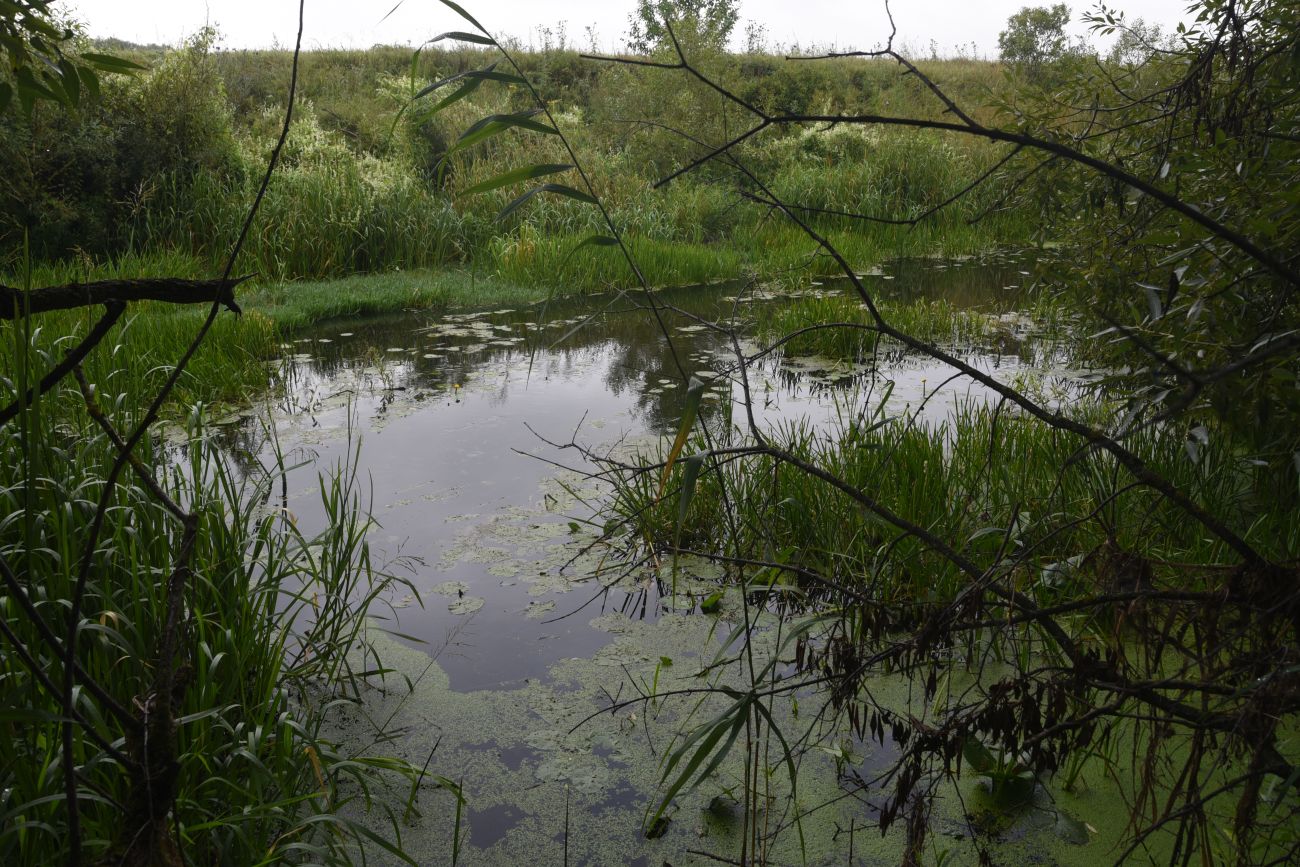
{"x":347,"y":23}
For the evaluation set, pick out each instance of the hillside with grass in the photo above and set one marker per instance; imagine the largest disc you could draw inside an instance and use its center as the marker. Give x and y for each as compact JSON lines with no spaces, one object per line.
{"x":163,"y":168}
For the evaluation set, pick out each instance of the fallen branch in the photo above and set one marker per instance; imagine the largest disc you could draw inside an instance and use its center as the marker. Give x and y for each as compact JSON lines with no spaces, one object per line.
{"x":18,"y":302}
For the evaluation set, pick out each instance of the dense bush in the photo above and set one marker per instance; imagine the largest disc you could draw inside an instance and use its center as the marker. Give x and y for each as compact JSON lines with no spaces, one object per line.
{"x":81,"y":181}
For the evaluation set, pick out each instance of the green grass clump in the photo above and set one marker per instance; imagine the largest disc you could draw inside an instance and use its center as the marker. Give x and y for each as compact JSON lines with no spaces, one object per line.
{"x":980,"y":479}
{"x":295,"y":305}
{"x":138,"y":355}
{"x":274,"y":617}
{"x":361,"y":189}
{"x":936,"y":321}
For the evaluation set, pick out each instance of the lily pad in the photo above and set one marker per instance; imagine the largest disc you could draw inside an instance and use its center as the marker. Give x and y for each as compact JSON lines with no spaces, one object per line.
{"x":466,"y":605}
{"x":538,"y":610}
{"x":451,"y":588}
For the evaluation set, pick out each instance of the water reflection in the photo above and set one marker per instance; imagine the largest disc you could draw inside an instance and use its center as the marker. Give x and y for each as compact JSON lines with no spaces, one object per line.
{"x":450,"y":409}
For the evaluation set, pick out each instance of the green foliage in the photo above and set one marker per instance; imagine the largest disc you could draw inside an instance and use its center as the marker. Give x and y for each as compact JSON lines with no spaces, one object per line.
{"x":86,"y":180}
{"x":370,"y":175}
{"x":43,"y":60}
{"x":1035,"y":36}
{"x":706,"y":23}
{"x":947,"y":480}
{"x":1166,"y":294}
{"x":1173,"y":182}
{"x":1136,"y":41}
{"x":273,"y":614}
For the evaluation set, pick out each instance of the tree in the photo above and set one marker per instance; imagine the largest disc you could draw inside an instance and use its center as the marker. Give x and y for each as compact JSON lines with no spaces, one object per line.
{"x":710,"y":21}
{"x":1035,"y":36}
{"x":41,"y":61}
{"x":1135,"y":42}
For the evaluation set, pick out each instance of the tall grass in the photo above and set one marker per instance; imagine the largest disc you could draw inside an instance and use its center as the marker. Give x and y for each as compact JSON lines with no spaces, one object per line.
{"x":275,"y":621}
{"x":983,"y":478}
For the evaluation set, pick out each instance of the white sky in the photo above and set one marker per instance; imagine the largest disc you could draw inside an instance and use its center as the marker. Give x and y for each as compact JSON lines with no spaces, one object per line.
{"x":347,"y":23}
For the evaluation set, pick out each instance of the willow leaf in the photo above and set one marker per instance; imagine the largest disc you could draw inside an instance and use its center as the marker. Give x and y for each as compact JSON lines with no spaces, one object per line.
{"x":514,"y":176}
{"x":694,"y":393}
{"x":462,"y":36}
{"x":711,"y":734}
{"x":521,"y":119}
{"x":109,"y":63}
{"x":487,"y":74}
{"x":559,"y":189}
{"x":456,"y":7}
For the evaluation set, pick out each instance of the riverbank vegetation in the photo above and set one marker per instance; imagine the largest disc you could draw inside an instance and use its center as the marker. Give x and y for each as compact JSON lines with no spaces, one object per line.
{"x":368,"y":193}
{"x":1099,"y":574}
{"x":364,"y":186}
{"x":173,"y":642}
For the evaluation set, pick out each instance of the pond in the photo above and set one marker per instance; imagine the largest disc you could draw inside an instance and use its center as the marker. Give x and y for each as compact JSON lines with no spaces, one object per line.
{"x":522,"y":630}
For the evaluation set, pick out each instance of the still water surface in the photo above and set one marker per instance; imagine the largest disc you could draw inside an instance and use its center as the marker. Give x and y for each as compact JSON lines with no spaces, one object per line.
{"x":454,"y":414}
{"x":458,"y":417}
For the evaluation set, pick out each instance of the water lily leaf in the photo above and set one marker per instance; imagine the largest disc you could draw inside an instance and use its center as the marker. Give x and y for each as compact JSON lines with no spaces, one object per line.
{"x":466,"y":605}
{"x":538,"y":610}
{"x":451,"y":588}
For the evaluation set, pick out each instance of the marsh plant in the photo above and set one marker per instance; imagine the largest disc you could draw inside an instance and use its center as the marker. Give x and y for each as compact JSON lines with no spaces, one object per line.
{"x":275,"y":619}
{"x":372,"y":181}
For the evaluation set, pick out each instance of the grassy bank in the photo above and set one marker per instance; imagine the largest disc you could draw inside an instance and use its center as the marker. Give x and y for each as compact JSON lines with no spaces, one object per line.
{"x":366,"y":213}
{"x":370,"y":183}
{"x":232,"y":363}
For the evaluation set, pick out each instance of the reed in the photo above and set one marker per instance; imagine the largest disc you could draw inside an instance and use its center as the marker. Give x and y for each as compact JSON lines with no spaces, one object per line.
{"x":275,"y":634}
{"x":985,"y":477}
{"x":937,"y":321}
